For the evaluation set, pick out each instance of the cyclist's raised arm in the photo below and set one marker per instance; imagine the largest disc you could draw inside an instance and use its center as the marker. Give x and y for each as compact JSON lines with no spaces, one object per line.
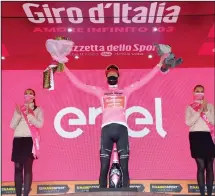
{"x":84,"y":87}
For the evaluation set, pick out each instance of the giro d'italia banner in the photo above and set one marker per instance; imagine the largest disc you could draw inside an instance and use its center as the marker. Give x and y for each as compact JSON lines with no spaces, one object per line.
{"x":104,"y":32}
{"x":179,"y":187}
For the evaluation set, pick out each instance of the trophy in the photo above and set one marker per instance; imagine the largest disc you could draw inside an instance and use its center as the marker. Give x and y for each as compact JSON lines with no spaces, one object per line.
{"x":170,"y":61}
{"x":48,"y":76}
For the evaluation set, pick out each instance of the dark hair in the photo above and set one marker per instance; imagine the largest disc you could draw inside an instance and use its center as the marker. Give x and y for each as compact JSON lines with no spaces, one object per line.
{"x":198,"y":86}
{"x":35,"y":105}
{"x":112,"y":66}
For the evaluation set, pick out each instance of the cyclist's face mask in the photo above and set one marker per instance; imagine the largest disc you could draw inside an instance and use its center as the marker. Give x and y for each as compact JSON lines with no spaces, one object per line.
{"x":112,"y":78}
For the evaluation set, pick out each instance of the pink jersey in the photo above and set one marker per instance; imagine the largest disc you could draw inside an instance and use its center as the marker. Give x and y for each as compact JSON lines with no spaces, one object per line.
{"x":113,"y":100}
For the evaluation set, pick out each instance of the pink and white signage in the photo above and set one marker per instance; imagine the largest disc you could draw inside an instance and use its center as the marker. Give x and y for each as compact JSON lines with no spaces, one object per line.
{"x":71,"y":133}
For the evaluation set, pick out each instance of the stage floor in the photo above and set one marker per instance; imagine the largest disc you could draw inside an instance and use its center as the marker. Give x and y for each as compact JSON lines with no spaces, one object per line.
{"x":112,"y":194}
{"x":79,"y":188}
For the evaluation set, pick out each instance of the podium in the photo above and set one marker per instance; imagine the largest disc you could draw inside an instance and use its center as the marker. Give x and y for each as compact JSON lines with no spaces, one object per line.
{"x":115,"y":192}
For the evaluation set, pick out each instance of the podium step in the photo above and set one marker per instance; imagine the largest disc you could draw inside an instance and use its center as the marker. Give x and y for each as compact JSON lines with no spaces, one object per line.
{"x":113,"y":190}
{"x":114,"y":193}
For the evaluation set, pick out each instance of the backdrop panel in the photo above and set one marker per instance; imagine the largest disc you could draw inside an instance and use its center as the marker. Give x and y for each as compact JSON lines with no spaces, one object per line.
{"x":156,"y":118}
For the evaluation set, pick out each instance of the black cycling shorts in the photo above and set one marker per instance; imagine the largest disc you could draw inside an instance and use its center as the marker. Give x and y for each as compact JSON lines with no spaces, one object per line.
{"x":114,"y":133}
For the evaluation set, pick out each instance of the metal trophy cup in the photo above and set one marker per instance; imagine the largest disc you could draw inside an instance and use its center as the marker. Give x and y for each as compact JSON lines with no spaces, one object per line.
{"x":46,"y":79}
{"x":171,"y":61}
{"x":48,"y":76}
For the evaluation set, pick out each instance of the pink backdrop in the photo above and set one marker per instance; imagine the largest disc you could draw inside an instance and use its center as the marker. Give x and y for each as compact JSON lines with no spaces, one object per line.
{"x":152,"y":156}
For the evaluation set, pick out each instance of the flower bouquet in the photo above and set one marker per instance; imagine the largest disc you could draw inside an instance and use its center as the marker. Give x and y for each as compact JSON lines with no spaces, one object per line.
{"x":59,"y":48}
